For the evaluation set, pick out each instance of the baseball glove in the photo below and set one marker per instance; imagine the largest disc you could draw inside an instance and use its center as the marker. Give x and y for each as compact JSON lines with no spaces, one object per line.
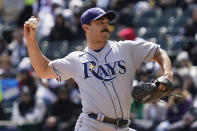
{"x":150,"y":93}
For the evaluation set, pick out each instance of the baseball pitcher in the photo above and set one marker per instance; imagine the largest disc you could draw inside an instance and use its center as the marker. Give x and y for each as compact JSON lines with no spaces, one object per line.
{"x":104,"y":71}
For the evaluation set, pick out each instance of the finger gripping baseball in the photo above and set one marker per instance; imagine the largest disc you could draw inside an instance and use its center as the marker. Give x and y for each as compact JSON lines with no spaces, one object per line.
{"x":149,"y":92}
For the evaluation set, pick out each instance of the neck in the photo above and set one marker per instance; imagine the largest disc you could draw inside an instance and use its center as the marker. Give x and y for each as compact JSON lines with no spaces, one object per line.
{"x":96,"y":45}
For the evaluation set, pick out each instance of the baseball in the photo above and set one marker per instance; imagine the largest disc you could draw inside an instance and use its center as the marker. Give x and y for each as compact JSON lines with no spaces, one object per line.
{"x":33,"y":22}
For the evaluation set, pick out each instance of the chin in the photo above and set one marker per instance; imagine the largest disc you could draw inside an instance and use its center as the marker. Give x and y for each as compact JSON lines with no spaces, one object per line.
{"x":104,"y":39}
{"x":106,"y":36}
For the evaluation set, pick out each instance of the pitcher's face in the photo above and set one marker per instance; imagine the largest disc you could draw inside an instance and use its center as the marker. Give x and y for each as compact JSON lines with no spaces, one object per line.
{"x":98,"y":30}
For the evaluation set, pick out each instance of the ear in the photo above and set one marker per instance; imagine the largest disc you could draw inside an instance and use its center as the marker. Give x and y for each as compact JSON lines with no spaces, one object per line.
{"x":85,"y":27}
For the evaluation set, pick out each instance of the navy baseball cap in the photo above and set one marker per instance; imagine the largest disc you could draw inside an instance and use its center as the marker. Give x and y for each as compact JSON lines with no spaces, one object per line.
{"x":96,"y":13}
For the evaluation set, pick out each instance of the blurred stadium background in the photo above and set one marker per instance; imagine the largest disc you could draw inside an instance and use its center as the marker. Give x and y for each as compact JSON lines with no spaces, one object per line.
{"x":30,"y":103}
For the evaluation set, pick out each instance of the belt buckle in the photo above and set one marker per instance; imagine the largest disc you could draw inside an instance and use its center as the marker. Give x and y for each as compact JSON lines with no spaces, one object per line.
{"x":120,"y":123}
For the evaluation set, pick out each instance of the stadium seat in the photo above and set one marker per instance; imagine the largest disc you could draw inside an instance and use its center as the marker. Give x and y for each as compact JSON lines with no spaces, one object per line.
{"x":171,"y":12}
{"x":175,"y":30}
{"x":54,"y":50}
{"x":169,"y":16}
{"x":183,"y":18}
{"x":76,"y":45}
{"x":163,"y":42}
{"x":146,"y":19}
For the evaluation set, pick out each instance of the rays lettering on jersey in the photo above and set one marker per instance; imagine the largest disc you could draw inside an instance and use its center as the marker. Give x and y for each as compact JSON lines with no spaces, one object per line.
{"x":109,"y":71}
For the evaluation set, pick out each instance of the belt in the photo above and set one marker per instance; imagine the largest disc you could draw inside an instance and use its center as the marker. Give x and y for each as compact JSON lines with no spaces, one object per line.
{"x":120,"y":123}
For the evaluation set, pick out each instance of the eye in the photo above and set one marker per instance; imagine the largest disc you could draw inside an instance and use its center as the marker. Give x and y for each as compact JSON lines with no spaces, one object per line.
{"x":101,"y":22}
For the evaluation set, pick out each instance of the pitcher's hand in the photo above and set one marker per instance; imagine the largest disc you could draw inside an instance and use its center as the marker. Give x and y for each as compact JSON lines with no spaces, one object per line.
{"x":29,"y":32}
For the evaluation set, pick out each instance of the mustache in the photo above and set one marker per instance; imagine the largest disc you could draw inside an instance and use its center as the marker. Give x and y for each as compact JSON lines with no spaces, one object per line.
{"x":106,"y":30}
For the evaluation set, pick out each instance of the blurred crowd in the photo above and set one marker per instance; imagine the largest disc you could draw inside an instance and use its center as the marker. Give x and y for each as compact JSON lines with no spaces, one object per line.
{"x":38,"y":104}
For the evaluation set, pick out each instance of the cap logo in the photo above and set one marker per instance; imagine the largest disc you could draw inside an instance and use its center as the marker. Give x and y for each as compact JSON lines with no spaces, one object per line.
{"x":100,"y":10}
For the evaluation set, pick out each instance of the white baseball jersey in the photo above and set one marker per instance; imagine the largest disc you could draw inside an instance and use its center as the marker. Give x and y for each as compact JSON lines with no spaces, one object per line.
{"x":105,"y":78}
